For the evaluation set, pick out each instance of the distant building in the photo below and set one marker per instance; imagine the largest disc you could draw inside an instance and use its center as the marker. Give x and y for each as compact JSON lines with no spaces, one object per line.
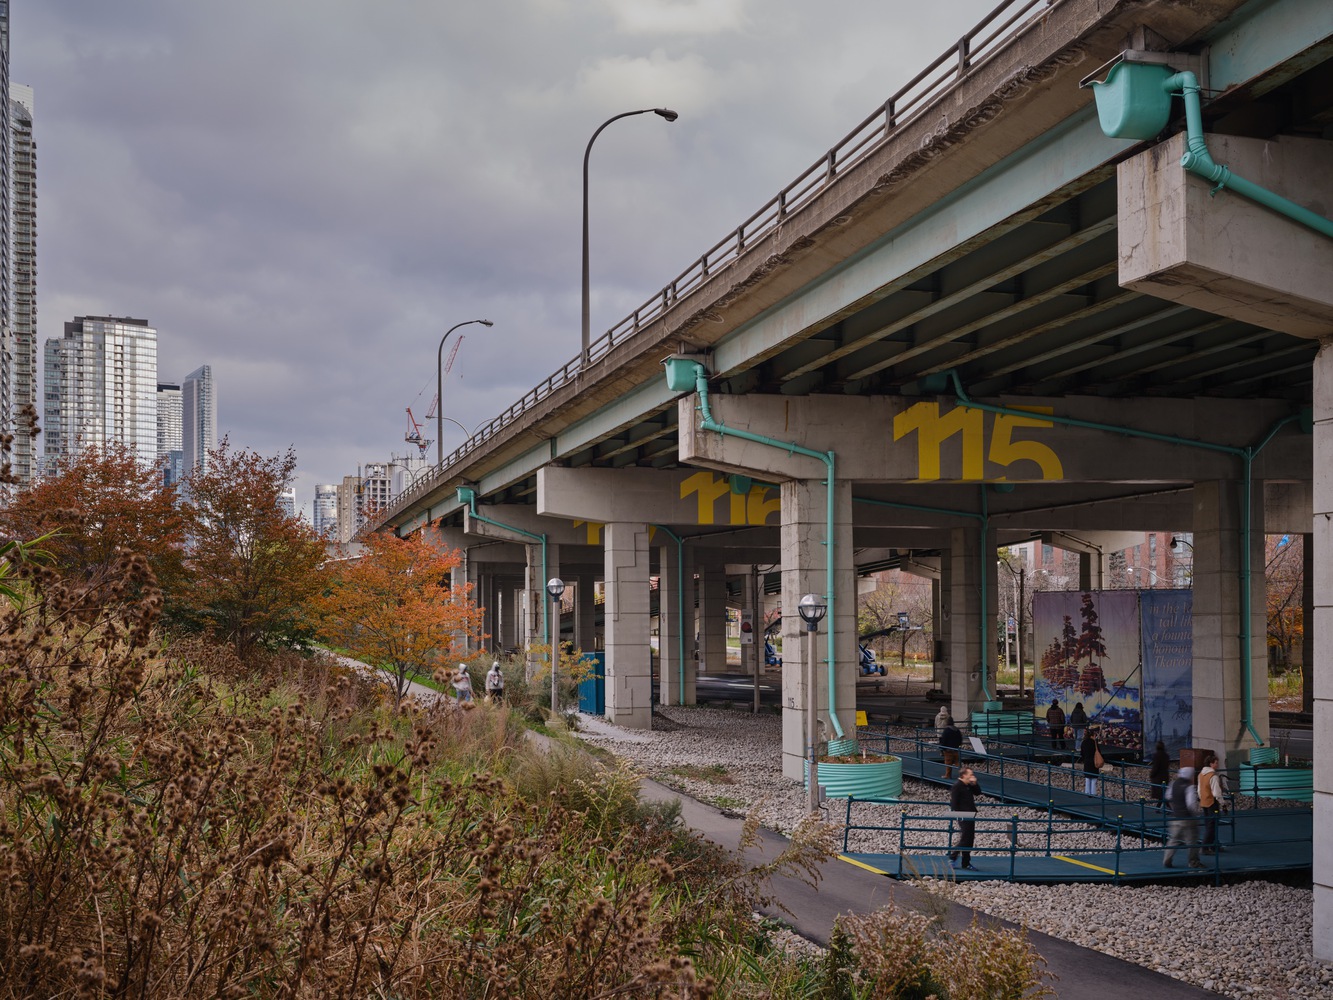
{"x":199,"y":417}
{"x":360,"y":496}
{"x":325,"y":511}
{"x":8,"y":349}
{"x":287,"y":501}
{"x":169,"y":432}
{"x":23,"y":281}
{"x":101,"y":387}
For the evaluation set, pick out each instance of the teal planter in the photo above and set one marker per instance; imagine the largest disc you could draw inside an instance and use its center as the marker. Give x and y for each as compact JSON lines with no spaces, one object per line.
{"x":1294,"y":783}
{"x":843,"y":747}
{"x":878,"y":777}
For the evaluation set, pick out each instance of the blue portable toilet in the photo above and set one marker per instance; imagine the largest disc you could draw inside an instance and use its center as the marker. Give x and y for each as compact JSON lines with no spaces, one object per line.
{"x":592,"y":689}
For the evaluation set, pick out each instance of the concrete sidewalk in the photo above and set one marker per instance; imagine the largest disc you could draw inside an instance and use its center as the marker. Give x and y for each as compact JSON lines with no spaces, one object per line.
{"x":1083,"y":974}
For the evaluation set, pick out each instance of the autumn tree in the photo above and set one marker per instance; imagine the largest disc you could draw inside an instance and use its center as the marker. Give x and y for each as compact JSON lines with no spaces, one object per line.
{"x":252,"y":568}
{"x":103,"y":503}
{"x":394,"y":607}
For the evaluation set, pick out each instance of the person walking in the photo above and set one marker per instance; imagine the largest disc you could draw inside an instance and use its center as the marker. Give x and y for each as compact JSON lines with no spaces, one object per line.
{"x":462,"y":684}
{"x":1092,"y":762}
{"x":1055,"y":725}
{"x":941,"y":718}
{"x":1210,"y":801}
{"x":951,"y":741}
{"x":1079,"y":720}
{"x":963,"y":799}
{"x":495,"y":683}
{"x":1183,"y":829}
{"x":1159,"y":773}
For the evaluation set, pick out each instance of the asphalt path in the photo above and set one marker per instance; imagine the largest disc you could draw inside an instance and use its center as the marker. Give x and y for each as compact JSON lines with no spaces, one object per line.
{"x":1083,"y":974}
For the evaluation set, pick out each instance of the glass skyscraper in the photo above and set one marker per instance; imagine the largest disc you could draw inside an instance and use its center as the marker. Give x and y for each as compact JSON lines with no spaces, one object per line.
{"x":199,"y":417}
{"x":104,"y":376}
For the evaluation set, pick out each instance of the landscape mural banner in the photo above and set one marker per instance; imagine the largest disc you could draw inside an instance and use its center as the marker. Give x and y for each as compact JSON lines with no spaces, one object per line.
{"x":1087,"y":646}
{"x":1168,"y":668}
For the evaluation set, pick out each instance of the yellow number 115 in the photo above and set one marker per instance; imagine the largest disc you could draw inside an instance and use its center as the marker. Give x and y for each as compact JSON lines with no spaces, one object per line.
{"x":933,"y":429}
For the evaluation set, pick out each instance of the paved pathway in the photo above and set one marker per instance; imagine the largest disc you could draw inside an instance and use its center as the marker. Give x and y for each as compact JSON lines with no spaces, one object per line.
{"x":843,"y":888}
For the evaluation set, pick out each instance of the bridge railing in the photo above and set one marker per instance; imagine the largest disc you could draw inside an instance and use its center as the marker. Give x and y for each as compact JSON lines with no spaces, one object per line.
{"x":903,"y":107}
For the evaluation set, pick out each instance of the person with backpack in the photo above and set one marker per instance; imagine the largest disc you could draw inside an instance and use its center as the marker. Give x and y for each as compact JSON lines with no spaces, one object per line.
{"x":495,"y":683}
{"x":1182,"y":800}
{"x":951,"y":742}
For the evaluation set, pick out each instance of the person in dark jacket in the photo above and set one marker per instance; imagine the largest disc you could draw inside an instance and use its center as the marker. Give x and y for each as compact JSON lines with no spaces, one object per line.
{"x":1055,"y":723}
{"x":963,"y":799}
{"x":1159,"y":773}
{"x":951,"y":740}
{"x":1078,"y":719}
{"x":1089,"y":752}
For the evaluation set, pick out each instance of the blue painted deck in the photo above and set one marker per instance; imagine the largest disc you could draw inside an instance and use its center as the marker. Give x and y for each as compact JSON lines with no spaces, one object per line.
{"x":1255,"y":841}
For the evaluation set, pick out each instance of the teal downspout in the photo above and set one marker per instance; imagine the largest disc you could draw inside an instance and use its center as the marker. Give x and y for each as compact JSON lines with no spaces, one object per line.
{"x":680,"y":606}
{"x":1198,"y":161}
{"x":827,"y":457}
{"x":469,"y":497}
{"x":1246,"y":455}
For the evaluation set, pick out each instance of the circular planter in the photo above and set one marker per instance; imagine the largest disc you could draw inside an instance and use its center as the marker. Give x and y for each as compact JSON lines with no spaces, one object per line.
{"x":878,"y":777}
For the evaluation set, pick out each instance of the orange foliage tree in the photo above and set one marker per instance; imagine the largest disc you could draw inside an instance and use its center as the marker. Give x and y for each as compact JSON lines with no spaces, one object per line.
{"x":394,"y":607}
{"x":104,"y":502}
{"x":253,"y":569}
{"x":1284,"y":574}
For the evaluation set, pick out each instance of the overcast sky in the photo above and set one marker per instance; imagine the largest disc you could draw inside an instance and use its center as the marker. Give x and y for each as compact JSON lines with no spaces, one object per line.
{"x":305,"y":194}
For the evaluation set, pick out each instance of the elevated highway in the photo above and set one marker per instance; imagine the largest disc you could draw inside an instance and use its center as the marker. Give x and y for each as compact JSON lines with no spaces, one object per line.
{"x":978,"y":319}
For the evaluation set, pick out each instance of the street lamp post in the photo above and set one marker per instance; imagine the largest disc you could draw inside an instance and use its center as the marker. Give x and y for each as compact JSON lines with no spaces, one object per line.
{"x":812,"y":607}
{"x":439,"y":387}
{"x":670,"y":116}
{"x":555,"y":587}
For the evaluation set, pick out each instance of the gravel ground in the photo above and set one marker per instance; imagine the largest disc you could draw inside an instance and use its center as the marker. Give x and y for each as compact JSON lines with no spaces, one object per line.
{"x":1196,"y":933}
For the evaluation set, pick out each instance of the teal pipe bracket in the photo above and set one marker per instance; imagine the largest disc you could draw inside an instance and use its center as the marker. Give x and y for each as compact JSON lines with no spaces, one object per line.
{"x":677,"y":380}
{"x":1247,"y":456}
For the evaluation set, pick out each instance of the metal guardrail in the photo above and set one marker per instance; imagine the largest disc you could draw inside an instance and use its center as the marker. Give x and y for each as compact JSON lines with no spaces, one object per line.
{"x":903,"y":107}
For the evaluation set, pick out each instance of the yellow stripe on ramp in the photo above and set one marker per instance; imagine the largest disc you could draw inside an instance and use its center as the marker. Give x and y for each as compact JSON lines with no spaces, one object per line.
{"x":1084,"y":864}
{"x":862,"y":864}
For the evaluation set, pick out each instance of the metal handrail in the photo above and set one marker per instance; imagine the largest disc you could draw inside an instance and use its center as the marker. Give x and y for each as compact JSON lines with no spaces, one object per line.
{"x":951,"y":67}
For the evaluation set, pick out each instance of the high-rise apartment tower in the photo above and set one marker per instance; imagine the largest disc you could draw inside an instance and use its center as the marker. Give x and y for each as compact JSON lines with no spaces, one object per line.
{"x":199,"y":417}
{"x":23,"y":283}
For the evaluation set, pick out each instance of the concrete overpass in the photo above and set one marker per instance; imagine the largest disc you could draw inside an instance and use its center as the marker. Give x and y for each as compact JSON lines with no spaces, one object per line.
{"x":977,"y":318}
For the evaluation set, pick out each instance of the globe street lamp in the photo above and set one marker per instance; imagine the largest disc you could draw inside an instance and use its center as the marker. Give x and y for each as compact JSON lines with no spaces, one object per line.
{"x":439,"y":387}
{"x":670,"y":116}
{"x":555,"y":587}
{"x":812,"y":607}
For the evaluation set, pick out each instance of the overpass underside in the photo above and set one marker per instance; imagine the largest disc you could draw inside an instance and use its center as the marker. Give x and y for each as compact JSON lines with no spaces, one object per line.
{"x":984,"y":323}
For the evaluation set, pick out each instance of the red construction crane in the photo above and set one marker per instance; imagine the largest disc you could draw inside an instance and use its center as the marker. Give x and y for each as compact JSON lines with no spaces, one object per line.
{"x":413,"y":436}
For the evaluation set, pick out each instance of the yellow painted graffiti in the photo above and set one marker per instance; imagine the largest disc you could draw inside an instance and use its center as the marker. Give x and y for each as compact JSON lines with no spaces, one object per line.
{"x":753,"y":508}
{"x":933,"y":428}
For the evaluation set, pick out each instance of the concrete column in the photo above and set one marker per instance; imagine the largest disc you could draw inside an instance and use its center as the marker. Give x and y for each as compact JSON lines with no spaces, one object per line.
{"x":1218,"y":711}
{"x":1092,"y":571}
{"x":1307,"y":616}
{"x":965,"y":620}
{"x":713,"y":618}
{"x":675,"y":637}
{"x":942,"y":595}
{"x":628,"y":626}
{"x":585,"y":613}
{"x":804,"y":529}
{"x":1322,"y":570}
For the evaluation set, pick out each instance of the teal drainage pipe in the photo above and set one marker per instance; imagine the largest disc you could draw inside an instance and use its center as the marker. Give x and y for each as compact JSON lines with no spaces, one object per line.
{"x":1197,"y":160}
{"x":1247,"y":456}
{"x":827,"y":457}
{"x":984,"y":518}
{"x":467,"y":495}
{"x":680,"y":605}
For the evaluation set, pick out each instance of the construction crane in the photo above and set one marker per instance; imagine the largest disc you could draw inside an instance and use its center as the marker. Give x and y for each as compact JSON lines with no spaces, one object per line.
{"x":444,"y":374}
{"x":413,"y":435}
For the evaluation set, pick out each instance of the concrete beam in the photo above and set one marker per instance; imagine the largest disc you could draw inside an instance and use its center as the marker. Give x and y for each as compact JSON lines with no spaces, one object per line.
{"x":911,"y":440}
{"x":679,"y":496}
{"x":525,"y":517}
{"x":1224,"y":253}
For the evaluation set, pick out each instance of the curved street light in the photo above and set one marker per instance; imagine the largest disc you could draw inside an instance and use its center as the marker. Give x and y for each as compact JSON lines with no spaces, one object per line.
{"x":670,"y":116}
{"x":439,"y":386}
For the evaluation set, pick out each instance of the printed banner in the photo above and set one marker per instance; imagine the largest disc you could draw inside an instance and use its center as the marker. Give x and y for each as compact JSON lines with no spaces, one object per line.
{"x":1168,"y":667}
{"x":1087,"y":655}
